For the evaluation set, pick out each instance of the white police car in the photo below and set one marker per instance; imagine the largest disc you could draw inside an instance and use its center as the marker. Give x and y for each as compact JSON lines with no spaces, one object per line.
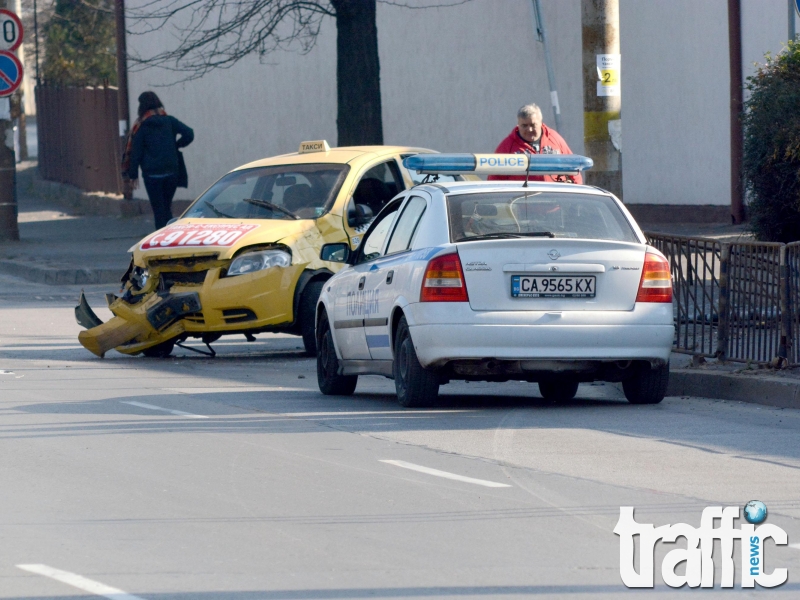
{"x":550,"y":283}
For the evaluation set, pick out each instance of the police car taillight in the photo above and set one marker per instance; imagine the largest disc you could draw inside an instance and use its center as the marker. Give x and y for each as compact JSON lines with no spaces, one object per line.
{"x":656,"y":282}
{"x":444,"y":280}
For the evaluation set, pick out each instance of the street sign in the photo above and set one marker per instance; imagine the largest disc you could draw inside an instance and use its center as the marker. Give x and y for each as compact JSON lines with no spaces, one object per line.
{"x":10,"y":73}
{"x":10,"y":30}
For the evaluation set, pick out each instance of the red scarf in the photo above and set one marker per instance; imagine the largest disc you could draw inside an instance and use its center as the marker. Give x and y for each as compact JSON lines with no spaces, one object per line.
{"x":126,"y":157}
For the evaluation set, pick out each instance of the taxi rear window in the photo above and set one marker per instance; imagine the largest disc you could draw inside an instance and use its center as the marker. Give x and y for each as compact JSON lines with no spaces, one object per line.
{"x":278,"y":192}
{"x":546,"y":214}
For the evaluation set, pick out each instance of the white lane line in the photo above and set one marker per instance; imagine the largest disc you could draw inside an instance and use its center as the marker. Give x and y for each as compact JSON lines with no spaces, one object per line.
{"x":179,"y":413}
{"x":82,"y":583}
{"x":445,"y":474}
{"x":795,"y":546}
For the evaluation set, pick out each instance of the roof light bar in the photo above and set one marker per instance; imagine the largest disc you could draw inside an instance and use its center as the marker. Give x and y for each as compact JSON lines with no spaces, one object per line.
{"x":498,"y":164}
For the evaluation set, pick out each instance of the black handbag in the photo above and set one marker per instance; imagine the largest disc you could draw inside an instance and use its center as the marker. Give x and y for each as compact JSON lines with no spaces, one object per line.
{"x":183,"y":175}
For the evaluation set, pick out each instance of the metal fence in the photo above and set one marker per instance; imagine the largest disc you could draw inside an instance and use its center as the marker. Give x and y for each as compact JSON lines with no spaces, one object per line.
{"x":78,"y":131}
{"x":735,"y":301}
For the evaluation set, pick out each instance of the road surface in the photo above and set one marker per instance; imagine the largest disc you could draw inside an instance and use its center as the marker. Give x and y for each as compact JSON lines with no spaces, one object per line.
{"x":197,"y":478}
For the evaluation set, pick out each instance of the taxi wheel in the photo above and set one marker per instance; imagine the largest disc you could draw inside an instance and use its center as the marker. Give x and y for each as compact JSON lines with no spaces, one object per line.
{"x":560,"y":391}
{"x":162,"y":350}
{"x":307,"y":313}
{"x":330,"y":382}
{"x":416,"y":386}
{"x":647,"y":386}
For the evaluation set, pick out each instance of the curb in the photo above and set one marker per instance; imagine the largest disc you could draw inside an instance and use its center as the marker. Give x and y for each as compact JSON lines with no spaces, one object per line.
{"x":771,"y":391}
{"x":103,"y":204}
{"x":56,"y":276}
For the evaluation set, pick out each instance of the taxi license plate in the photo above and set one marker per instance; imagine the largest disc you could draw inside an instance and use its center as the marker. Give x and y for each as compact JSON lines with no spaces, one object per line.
{"x":535,"y":286}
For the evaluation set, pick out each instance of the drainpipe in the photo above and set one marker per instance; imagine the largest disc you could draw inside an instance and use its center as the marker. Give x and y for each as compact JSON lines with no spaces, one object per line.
{"x":123,"y":107}
{"x":736,"y":107}
{"x":541,"y":33}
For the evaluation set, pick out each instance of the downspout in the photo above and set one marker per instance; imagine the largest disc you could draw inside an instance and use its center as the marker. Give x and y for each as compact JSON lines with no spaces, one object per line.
{"x":736,"y":107}
{"x":123,"y":106}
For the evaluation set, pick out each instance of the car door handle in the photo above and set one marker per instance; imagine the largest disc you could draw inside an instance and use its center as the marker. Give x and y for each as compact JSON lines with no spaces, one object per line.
{"x":361,"y":283}
{"x":389,"y":277}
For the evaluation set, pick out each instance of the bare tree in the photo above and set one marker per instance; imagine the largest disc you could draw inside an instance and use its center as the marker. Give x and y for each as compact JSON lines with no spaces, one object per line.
{"x":212,"y":34}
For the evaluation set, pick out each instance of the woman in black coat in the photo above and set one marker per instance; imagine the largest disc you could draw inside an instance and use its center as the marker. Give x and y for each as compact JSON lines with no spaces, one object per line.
{"x":152,"y":145}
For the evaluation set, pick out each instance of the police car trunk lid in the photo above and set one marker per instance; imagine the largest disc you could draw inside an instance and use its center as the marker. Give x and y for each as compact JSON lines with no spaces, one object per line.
{"x":490,"y":266}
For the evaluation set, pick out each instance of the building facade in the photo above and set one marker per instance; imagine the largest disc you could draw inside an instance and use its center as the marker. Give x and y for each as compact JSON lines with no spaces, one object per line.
{"x":453,"y":78}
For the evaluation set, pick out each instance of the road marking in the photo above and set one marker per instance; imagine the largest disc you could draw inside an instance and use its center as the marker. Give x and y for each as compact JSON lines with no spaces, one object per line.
{"x":445,"y":474}
{"x":178,"y":413}
{"x":82,"y":583}
{"x":795,"y":546}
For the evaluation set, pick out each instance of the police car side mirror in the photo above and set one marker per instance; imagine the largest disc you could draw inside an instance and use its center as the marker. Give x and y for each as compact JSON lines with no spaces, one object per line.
{"x":338,"y":253}
{"x":358,"y":214}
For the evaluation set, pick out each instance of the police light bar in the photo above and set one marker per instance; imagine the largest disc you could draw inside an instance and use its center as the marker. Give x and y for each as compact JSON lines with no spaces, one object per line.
{"x":498,"y":164}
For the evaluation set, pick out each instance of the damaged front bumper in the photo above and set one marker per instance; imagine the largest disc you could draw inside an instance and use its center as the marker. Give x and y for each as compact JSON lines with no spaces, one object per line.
{"x":135,"y":327}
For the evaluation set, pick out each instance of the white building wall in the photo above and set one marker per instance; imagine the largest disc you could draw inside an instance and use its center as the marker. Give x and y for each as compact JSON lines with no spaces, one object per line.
{"x":675,"y":119}
{"x":453,"y":78}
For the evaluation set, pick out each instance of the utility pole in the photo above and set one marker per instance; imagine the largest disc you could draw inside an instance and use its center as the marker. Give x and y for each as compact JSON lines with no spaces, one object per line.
{"x":123,"y":107}
{"x":792,"y":8}
{"x":9,"y":230}
{"x":602,"y":93}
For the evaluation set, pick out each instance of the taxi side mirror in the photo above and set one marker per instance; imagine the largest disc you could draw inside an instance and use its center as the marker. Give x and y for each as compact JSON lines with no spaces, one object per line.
{"x":358,"y":214}
{"x":338,"y":252}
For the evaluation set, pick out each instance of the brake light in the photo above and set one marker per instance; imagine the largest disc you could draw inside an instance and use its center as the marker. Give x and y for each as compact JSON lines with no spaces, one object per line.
{"x":656,"y":282}
{"x":444,"y":280}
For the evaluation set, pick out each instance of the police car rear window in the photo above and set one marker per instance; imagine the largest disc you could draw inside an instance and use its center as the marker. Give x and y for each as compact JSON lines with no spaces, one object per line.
{"x":279,"y":192}
{"x":549,"y":214}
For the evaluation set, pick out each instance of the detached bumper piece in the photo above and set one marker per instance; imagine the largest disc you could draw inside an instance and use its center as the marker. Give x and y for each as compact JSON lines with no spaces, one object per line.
{"x":141,"y":322}
{"x":84,"y":314}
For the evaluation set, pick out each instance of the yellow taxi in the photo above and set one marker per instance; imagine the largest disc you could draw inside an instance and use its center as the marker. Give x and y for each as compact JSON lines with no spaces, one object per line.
{"x":244,"y":257}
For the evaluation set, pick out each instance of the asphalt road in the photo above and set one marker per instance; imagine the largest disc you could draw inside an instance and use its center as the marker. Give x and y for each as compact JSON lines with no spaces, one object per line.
{"x":196,"y":478}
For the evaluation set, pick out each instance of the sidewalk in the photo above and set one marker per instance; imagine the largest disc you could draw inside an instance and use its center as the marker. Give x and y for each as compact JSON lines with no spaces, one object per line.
{"x":62,"y":249}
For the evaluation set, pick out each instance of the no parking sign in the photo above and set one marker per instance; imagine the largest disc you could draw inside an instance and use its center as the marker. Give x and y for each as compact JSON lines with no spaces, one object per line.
{"x":10,"y":73}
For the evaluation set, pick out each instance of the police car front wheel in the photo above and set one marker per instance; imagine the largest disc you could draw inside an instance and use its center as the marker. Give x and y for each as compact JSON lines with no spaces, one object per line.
{"x":328,"y":378}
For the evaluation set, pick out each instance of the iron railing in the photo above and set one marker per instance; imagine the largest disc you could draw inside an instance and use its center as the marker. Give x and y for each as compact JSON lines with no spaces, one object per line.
{"x":695,"y":265}
{"x":735,"y":301}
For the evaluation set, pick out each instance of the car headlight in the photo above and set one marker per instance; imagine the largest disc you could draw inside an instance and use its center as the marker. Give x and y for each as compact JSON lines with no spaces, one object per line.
{"x":139,"y":277}
{"x":258,"y":261}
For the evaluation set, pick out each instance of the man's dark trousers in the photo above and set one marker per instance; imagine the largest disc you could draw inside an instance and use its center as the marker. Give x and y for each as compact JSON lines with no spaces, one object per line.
{"x":160,"y":191}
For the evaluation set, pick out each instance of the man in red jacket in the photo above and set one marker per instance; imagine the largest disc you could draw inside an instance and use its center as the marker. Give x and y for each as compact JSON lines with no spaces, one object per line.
{"x":531,"y":136}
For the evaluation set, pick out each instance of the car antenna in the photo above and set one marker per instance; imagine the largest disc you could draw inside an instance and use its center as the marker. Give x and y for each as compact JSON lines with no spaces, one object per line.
{"x":527,"y":171}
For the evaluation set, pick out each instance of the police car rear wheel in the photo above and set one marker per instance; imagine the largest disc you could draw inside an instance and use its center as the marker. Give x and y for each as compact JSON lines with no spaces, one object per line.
{"x":416,"y":386}
{"x":328,"y":378}
{"x":307,"y":313}
{"x":648,"y":385}
{"x":558,"y":391}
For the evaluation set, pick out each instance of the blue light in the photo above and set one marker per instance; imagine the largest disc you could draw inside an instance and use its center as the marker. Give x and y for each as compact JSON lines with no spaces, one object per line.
{"x":440,"y":163}
{"x":559,"y":163}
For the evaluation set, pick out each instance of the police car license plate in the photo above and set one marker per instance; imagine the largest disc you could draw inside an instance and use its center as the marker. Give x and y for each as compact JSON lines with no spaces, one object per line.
{"x":524,"y":286}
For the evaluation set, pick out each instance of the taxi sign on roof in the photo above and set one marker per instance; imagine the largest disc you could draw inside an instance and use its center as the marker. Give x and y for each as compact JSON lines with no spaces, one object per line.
{"x":498,"y":164}
{"x":315,"y":146}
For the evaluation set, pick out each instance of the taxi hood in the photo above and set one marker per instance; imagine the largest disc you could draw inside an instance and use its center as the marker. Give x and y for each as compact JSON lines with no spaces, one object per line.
{"x":223,"y":237}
